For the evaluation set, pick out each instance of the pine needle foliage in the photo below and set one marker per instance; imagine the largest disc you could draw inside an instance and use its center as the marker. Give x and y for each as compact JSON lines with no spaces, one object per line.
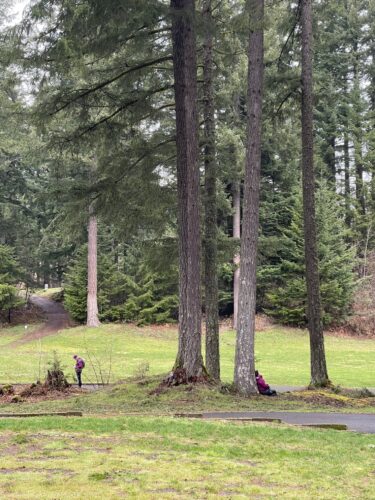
{"x":286,"y":299}
{"x":146,"y":297}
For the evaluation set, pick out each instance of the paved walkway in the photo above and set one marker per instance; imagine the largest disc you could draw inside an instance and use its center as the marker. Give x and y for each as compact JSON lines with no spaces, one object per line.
{"x":287,"y":388}
{"x":359,"y":422}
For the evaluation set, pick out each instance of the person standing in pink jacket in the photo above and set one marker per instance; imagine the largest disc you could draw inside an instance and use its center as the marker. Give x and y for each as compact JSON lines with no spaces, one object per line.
{"x":79,"y":366}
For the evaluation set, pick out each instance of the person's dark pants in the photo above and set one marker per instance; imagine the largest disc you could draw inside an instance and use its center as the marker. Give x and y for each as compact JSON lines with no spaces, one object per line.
{"x":79,"y":378}
{"x":269,"y":392}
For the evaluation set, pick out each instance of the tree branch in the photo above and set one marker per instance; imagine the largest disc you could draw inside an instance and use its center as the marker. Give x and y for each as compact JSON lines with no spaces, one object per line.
{"x":122,"y":107}
{"x":290,"y":35}
{"x":111,"y":80}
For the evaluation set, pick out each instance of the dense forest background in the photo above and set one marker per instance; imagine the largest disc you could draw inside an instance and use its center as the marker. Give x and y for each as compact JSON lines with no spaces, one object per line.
{"x":87,"y":130}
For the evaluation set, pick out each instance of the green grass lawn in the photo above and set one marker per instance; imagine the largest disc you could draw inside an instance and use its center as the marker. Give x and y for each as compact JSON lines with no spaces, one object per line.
{"x":143,"y":458}
{"x":106,"y":454}
{"x":282,"y":354}
{"x":50,"y":293}
{"x":8,"y":335}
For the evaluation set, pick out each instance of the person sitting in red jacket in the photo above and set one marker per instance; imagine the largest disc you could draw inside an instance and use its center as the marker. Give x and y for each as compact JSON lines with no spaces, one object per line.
{"x":263,"y":387}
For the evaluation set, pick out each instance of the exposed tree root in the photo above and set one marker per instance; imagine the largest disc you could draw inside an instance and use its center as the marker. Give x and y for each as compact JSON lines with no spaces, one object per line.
{"x":56,"y":380}
{"x":179,"y":377}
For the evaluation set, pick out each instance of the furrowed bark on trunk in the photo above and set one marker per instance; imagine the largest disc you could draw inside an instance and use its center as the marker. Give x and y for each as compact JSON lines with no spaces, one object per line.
{"x":236,"y":196}
{"x":372,"y":101}
{"x":357,"y":139}
{"x":92,"y":280}
{"x":319,"y":374}
{"x":244,"y":371}
{"x":330,"y":159}
{"x":359,"y":194}
{"x":360,"y":197}
{"x":189,"y":355}
{"x":348,"y":212}
{"x":372,"y":91}
{"x":210,"y":248}
{"x":346,"y":150}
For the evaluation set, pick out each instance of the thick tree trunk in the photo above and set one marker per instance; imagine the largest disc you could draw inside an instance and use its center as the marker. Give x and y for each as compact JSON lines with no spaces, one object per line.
{"x":358,"y":137}
{"x":244,"y":370}
{"x":330,"y":159}
{"x":236,"y":196}
{"x":347,"y":196}
{"x":189,"y":355}
{"x":319,"y":375}
{"x":346,"y":151}
{"x":359,"y":184}
{"x":372,"y":107}
{"x":210,"y":254}
{"x":92,"y":285}
{"x":372,"y":71}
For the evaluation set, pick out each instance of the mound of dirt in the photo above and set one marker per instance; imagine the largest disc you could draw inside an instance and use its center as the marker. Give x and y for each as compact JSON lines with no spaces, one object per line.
{"x":33,"y":393}
{"x":55,"y":382}
{"x":7,"y":390}
{"x":32,"y":390}
{"x":345,"y":399}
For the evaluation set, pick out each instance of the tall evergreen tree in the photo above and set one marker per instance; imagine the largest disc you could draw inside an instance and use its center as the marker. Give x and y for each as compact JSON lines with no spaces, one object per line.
{"x":244,"y":371}
{"x":189,"y":355}
{"x":319,"y":374}
{"x":92,"y":271}
{"x":211,"y":233}
{"x":236,"y":195}
{"x":286,"y":300}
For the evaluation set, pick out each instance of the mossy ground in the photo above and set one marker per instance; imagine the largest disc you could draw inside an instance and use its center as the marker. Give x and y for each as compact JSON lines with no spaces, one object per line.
{"x":142,"y":396}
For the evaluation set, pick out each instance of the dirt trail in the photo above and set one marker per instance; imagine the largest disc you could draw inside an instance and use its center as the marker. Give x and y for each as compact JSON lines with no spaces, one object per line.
{"x":56,"y":319}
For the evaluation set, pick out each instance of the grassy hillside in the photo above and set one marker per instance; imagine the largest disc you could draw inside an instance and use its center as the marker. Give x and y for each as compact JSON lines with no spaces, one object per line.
{"x":125,"y":350}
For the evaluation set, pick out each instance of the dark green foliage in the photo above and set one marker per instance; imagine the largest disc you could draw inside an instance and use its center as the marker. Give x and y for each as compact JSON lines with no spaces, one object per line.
{"x":150,"y":306}
{"x":8,"y":297}
{"x":113,"y":288}
{"x":102,"y":77}
{"x":75,"y":293}
{"x":225,"y":277}
{"x":10,"y":274}
{"x":145,"y":298}
{"x":285,"y":298}
{"x":10,"y":270}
